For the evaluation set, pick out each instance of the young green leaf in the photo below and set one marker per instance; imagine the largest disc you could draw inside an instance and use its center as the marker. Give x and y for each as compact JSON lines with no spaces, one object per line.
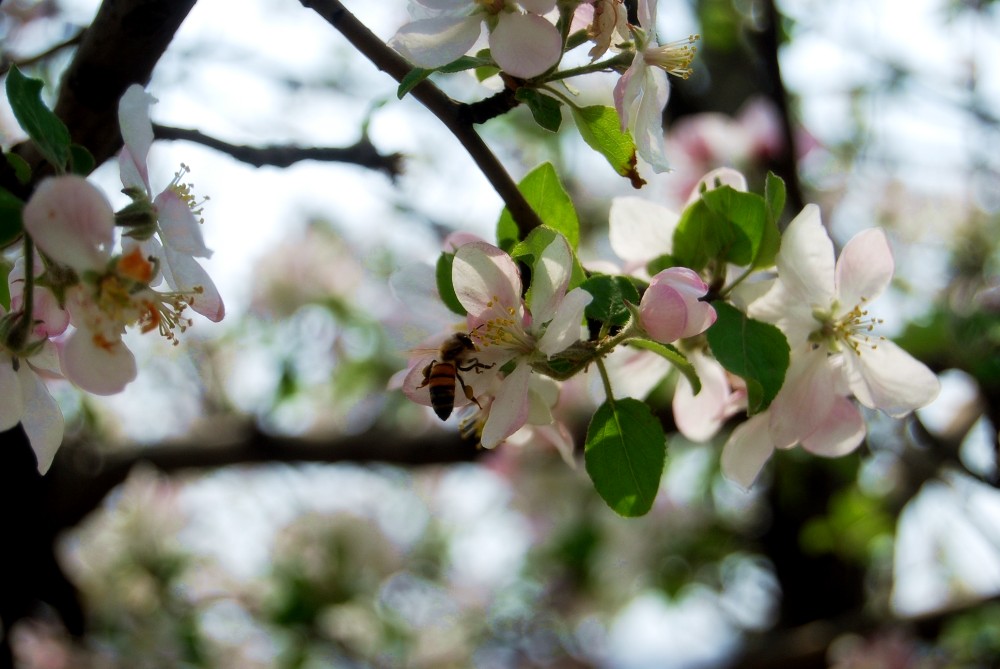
{"x":701,"y":236}
{"x":413,"y":78}
{"x":445,"y":285}
{"x":531,"y":249}
{"x":755,"y":351}
{"x":774,"y":199}
{"x":44,"y":128}
{"x":545,"y":110}
{"x":546,"y":195}
{"x":600,"y":128}
{"x":624,"y":454}
{"x":746,"y":214}
{"x":610,"y":294}
{"x":10,"y":217}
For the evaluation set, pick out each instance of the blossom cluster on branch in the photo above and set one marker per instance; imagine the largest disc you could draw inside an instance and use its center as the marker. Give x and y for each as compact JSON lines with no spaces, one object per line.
{"x":88,"y":273}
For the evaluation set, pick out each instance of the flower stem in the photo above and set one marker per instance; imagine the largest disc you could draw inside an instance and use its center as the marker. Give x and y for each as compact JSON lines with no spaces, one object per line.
{"x":623,"y":59}
{"x":606,"y":381}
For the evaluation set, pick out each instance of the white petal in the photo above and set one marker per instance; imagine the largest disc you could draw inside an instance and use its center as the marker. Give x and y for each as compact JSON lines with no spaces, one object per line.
{"x":805,"y":261}
{"x":864,"y":268}
{"x":803,"y":401}
{"x":137,"y":132}
{"x":509,"y":410}
{"x":549,"y":279}
{"x":437,"y":41}
{"x":42,"y":420}
{"x":483,"y":276}
{"x":640,"y":230}
{"x":749,"y":447}
{"x":102,"y":370}
{"x":699,"y":417}
{"x":721,"y":176}
{"x":186,"y":275}
{"x":565,"y":327}
{"x":633,"y":373}
{"x":648,"y":128}
{"x":71,"y":221}
{"x":179,"y":228}
{"x":525,"y":45}
{"x":538,"y":6}
{"x":647,"y":14}
{"x":46,"y":360}
{"x":888,"y":378}
{"x":12,"y":404}
{"x":841,"y":431}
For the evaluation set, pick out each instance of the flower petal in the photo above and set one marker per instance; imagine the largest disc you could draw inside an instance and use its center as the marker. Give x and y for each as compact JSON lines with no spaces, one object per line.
{"x":538,"y":6}
{"x":179,"y":227}
{"x":137,"y":132}
{"x":100,"y":369}
{"x":670,"y":308}
{"x":184,"y":274}
{"x":564,"y":329}
{"x":749,"y":447}
{"x":485,"y":278}
{"x":648,"y":129}
{"x":12,"y":406}
{"x":841,"y":431}
{"x":509,"y":410}
{"x":437,"y":41}
{"x":804,"y":400}
{"x":721,"y":176}
{"x":699,"y":417}
{"x":525,"y":45}
{"x":640,"y":230}
{"x":888,"y":378}
{"x":72,"y":222}
{"x":633,"y":373}
{"x":806,"y":260}
{"x":864,"y":268}
{"x":549,"y":279}
{"x":42,"y":420}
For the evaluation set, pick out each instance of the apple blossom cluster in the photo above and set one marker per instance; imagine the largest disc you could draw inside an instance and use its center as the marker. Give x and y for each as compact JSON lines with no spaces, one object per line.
{"x":526,"y":44}
{"x":88,"y":274}
{"x":746,"y":319}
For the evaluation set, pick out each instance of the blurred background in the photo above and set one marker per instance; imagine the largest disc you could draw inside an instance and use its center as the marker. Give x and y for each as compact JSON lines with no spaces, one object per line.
{"x":258,"y":498}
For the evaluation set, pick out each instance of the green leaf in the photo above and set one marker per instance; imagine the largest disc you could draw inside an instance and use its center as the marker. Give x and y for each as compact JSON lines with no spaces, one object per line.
{"x":610,"y":294}
{"x":745,"y":212}
{"x":546,"y":110}
{"x":445,"y":285}
{"x":774,"y":200}
{"x":5,"y":268}
{"x":674,"y":357}
{"x":601,"y":129}
{"x":10,"y":217}
{"x":413,"y":78}
{"x":44,"y":128}
{"x":624,"y":453}
{"x":81,"y":161}
{"x":701,"y":236}
{"x":755,"y":351}
{"x":546,"y":195}
{"x":660,"y":263}
{"x":22,"y":170}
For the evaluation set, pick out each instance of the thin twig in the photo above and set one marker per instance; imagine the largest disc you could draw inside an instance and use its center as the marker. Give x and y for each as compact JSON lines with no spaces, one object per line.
{"x":362,"y":153}
{"x":6,"y":60}
{"x":449,"y":112}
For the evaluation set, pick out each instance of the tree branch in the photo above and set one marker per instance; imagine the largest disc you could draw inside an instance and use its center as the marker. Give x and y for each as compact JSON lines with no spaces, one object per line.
{"x":81,"y":477}
{"x":452,"y":114}
{"x":363,"y":153}
{"x":6,"y":60}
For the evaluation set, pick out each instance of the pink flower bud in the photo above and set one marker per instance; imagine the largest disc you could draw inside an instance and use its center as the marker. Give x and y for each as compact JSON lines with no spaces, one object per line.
{"x":670,"y":308}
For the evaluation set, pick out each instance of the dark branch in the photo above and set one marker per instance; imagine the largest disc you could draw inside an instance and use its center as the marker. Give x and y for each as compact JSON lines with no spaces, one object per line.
{"x":363,"y":153}
{"x":449,"y":112}
{"x":6,"y":60}
{"x":80,"y":477}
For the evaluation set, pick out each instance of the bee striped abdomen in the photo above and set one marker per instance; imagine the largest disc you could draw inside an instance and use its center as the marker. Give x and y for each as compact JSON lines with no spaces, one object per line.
{"x":441,"y":386}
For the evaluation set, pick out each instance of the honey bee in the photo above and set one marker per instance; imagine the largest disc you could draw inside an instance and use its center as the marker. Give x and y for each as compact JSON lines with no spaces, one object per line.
{"x":441,"y":375}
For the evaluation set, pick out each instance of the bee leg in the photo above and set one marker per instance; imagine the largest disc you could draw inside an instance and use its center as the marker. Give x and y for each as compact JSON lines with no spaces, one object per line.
{"x":474,"y":364}
{"x":427,"y":373}
{"x":468,"y":391}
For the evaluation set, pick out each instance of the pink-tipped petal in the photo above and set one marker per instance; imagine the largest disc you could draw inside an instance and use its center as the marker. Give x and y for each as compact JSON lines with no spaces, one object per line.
{"x":525,"y":45}
{"x":804,"y":400}
{"x":864,"y":268}
{"x":97,"y":366}
{"x":747,"y":451}
{"x":42,"y":420}
{"x":72,"y":222}
{"x":699,"y":417}
{"x":485,"y":279}
{"x":670,"y":308}
{"x":888,"y":378}
{"x":137,"y":133}
{"x":180,"y":228}
{"x":437,"y":41}
{"x":841,"y":431}
{"x":509,"y":410}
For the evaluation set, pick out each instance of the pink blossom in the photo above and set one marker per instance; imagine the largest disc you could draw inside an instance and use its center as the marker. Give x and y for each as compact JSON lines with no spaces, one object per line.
{"x":72,"y":222}
{"x":671,"y":309}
